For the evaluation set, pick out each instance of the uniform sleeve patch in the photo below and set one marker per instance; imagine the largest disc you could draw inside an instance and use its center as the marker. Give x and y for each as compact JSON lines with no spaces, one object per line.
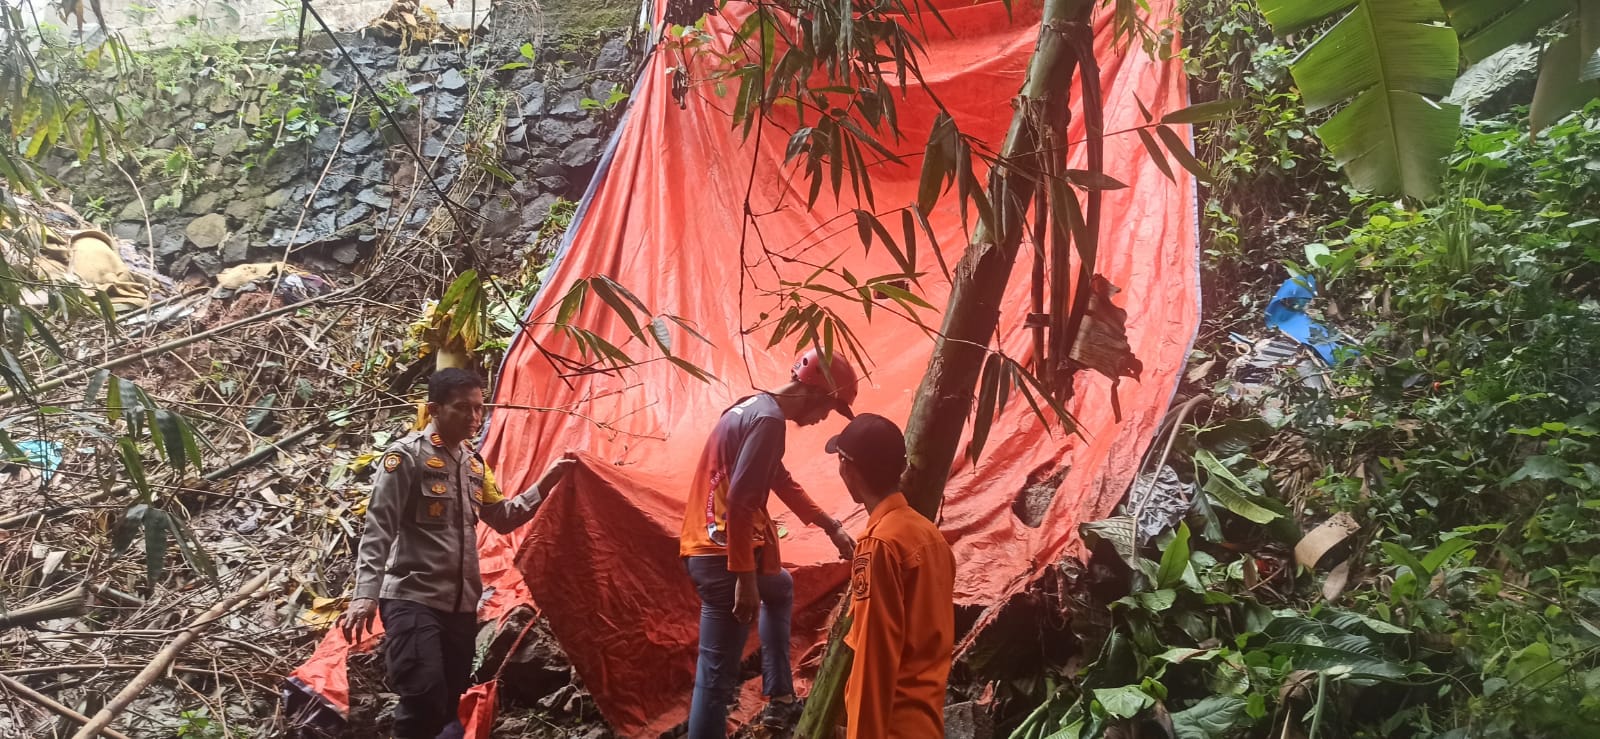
{"x":391,"y":462}
{"x":860,"y":583}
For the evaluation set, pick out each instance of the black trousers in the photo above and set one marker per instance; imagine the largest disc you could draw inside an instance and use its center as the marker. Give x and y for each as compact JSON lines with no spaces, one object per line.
{"x":428,"y":654}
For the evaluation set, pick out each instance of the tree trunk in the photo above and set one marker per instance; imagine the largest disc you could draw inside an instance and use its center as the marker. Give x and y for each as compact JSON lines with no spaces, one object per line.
{"x":944,"y":399}
{"x":945,"y":396}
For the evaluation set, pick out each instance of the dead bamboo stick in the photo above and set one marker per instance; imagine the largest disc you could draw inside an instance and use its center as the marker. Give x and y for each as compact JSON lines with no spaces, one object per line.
{"x":159,"y":663}
{"x":24,"y":519}
{"x":56,"y":707}
{"x":56,"y":382}
{"x":61,"y":606}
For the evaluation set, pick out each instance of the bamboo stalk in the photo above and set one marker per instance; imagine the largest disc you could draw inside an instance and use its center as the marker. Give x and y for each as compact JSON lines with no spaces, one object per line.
{"x":60,"y":709}
{"x":61,"y":606}
{"x":159,"y":663}
{"x":53,"y":383}
{"x":826,"y":701}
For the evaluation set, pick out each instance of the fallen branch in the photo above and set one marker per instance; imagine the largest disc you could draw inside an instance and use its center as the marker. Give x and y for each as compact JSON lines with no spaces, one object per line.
{"x":55,"y":706}
{"x":53,"y":383}
{"x":93,"y":666}
{"x":24,"y":519}
{"x":159,"y":663}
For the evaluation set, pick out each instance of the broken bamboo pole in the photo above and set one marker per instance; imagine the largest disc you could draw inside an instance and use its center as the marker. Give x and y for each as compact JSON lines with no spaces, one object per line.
{"x":23,"y":519}
{"x":56,"y":382}
{"x":62,"y":606}
{"x":826,"y":702}
{"x":55,"y":706}
{"x":159,"y":663}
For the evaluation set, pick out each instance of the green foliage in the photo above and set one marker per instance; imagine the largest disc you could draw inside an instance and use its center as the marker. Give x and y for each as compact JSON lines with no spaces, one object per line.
{"x":1396,"y":57}
{"x":45,"y":111}
{"x":1391,"y":60}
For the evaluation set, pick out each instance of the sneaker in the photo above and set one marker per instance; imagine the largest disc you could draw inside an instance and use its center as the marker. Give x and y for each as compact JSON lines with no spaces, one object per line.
{"x":782,"y":715}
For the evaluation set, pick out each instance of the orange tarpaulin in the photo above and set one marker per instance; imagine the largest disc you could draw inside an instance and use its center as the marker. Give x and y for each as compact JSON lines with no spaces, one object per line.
{"x":665,"y":218}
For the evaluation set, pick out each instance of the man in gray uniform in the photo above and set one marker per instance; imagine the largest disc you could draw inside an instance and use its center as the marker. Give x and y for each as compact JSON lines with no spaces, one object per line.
{"x":418,"y":560}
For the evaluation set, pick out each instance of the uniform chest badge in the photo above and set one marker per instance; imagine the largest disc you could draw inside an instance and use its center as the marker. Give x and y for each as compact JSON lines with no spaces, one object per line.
{"x":436,"y":509}
{"x":476,"y":465}
{"x":391,"y":462}
{"x":439,"y":488}
{"x":435,"y":463}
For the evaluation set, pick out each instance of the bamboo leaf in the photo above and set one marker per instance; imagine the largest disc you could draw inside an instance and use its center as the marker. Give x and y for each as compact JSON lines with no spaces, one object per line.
{"x":663,"y":337}
{"x":1203,"y":112}
{"x":171,"y":428}
{"x":572,"y":302}
{"x":1091,"y":180}
{"x":938,"y":163}
{"x":686,"y":326}
{"x":133,"y":464}
{"x":1180,"y":151}
{"x":9,"y":449}
{"x":988,"y":390}
{"x":16,"y":378}
{"x":156,"y":523}
{"x":1154,"y":149}
{"x":193,"y":553}
{"x":97,"y":381}
{"x":933,"y":241}
{"x":602,"y":288}
{"x":694,"y":371}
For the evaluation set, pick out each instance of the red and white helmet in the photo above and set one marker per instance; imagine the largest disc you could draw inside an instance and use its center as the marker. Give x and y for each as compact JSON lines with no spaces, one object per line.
{"x":839,"y":378}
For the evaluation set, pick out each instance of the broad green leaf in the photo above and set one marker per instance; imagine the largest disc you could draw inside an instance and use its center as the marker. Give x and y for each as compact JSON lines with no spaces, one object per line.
{"x":1212,"y":718}
{"x":1124,"y":702}
{"x":1560,"y":89}
{"x":1487,"y":26}
{"x":1403,"y":557}
{"x":1175,"y":559}
{"x":1231,"y":492}
{"x":1540,"y":467}
{"x":15,"y":376}
{"x":1444,"y":552}
{"x":1391,"y":56}
{"x":1337,"y":662}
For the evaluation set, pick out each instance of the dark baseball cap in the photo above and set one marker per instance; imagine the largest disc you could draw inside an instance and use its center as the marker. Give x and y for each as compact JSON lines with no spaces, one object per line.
{"x":874,"y":444}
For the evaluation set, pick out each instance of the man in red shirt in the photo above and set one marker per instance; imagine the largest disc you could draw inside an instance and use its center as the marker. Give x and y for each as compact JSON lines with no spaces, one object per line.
{"x":730,"y":544}
{"x":902,"y":581}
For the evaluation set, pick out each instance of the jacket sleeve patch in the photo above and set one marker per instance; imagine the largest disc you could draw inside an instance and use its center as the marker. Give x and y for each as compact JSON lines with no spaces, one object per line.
{"x":860,"y":583}
{"x":391,"y":462}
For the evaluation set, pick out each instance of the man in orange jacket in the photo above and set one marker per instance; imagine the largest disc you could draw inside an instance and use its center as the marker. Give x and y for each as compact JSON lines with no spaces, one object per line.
{"x":729,"y":542}
{"x":902,"y":581}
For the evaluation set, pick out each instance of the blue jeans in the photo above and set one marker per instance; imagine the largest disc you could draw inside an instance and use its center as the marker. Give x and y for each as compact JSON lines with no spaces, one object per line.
{"x":722,"y":639}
